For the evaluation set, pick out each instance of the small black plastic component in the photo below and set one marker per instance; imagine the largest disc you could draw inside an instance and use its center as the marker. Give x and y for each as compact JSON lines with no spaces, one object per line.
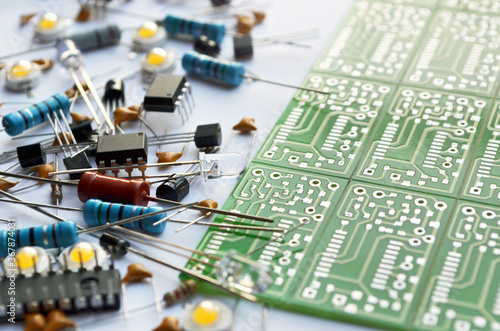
{"x":77,"y":161}
{"x":164,"y":92}
{"x":121,"y":148}
{"x":81,"y":130}
{"x":72,"y":292}
{"x":96,"y":38}
{"x":243,"y":46}
{"x":206,"y":46}
{"x":30,"y":155}
{"x":114,"y":244}
{"x":174,"y":190}
{"x":217,"y":3}
{"x":114,"y":91}
{"x":208,"y":135}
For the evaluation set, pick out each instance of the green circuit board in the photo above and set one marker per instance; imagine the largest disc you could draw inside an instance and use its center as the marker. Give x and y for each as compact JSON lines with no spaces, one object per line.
{"x":389,"y":186}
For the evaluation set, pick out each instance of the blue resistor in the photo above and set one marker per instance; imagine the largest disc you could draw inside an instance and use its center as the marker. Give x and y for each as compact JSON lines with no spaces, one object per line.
{"x":62,"y":234}
{"x":96,"y":212}
{"x":231,"y":73}
{"x":213,"y":30}
{"x":17,"y":122}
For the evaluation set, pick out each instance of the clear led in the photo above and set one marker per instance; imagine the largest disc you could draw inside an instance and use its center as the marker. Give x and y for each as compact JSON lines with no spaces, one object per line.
{"x":236,"y":271}
{"x":221,"y":165}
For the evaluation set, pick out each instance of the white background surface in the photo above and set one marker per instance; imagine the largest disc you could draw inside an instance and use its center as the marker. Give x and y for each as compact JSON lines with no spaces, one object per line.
{"x":214,"y":103}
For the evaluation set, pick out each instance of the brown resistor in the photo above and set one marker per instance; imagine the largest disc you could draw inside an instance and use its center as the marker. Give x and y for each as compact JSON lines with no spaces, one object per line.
{"x":185,"y":290}
{"x":34,"y":322}
{"x":57,"y":320}
{"x":56,"y":193}
{"x":169,"y":323}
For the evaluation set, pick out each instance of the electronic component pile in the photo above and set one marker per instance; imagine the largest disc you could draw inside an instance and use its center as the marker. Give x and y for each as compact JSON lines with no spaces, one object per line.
{"x":389,"y":185}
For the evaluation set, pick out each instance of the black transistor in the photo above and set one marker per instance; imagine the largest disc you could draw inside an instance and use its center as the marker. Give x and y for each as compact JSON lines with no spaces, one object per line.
{"x":82,"y":130}
{"x":30,"y":155}
{"x":206,"y":46}
{"x":243,"y":46}
{"x":77,"y":161}
{"x":121,"y":149}
{"x":168,"y":93}
{"x":208,"y":135}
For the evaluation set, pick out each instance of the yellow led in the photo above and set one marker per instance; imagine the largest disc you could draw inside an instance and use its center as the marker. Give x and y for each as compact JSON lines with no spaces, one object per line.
{"x":82,"y":252}
{"x":22,"y":68}
{"x":26,"y":257}
{"x":156,"y":56}
{"x":205,"y":313}
{"x":148,"y":30}
{"x":48,"y":21}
